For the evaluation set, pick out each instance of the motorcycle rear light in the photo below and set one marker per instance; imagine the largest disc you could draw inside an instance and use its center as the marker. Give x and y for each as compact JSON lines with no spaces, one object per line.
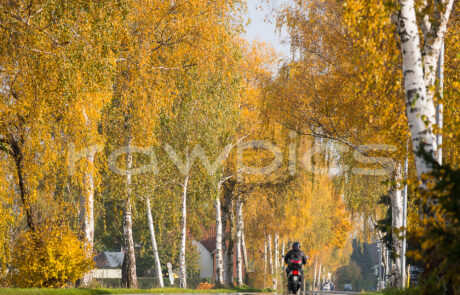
{"x":295,"y":272}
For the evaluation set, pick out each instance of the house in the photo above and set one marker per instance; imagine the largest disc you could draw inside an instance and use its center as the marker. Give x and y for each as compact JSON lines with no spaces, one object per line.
{"x":206,"y":248}
{"x":108,"y":265}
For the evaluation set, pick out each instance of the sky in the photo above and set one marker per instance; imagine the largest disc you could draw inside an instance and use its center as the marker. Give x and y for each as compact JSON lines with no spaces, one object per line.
{"x":261,"y":30}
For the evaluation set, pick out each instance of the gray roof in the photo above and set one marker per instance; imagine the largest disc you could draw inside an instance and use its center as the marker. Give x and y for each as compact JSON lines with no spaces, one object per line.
{"x":109,"y":260}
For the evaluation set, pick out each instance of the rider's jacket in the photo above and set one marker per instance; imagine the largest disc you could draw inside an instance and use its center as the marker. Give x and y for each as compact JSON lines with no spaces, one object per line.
{"x":295,"y":254}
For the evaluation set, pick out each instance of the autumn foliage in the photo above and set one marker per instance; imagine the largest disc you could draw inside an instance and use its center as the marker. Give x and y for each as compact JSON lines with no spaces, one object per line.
{"x":436,"y":239}
{"x":50,"y":257}
{"x":81,"y":82}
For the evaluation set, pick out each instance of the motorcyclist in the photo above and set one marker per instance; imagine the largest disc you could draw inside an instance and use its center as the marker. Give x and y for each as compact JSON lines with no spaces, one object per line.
{"x":295,"y":253}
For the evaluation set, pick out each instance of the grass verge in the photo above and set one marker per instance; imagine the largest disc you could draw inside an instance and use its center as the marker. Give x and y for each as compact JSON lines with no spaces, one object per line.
{"x":410,"y":291}
{"x":79,"y":291}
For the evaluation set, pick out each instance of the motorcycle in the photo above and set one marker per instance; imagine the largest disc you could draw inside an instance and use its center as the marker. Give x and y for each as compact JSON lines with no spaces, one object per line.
{"x":294,"y":276}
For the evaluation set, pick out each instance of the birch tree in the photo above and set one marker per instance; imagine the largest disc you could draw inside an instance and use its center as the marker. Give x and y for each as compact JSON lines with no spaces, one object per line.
{"x":239,"y":234}
{"x":219,"y":249}
{"x":419,"y":64}
{"x":397,"y":216}
{"x":154,"y":244}
{"x":277,"y":252}
{"x":129,"y":274}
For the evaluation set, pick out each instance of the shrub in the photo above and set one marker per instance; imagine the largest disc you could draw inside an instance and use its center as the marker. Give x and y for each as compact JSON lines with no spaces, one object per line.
{"x":437,"y":240}
{"x":51,"y":256}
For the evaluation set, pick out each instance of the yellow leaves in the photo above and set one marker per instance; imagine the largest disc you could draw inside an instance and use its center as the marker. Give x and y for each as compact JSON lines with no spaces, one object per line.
{"x":50,"y":257}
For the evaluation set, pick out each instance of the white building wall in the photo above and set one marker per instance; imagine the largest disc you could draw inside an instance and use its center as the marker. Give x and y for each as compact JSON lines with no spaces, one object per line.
{"x":106,"y":273}
{"x":205,"y":260}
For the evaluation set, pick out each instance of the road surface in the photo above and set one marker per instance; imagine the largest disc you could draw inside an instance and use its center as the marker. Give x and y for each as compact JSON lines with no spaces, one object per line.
{"x":307,"y":293}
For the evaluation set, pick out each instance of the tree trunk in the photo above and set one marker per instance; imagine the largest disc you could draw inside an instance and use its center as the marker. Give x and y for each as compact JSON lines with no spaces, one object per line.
{"x":219,"y":253}
{"x":270,"y":254}
{"x":265,"y":260}
{"x":183,"y":266}
{"x":277,"y":252}
{"x":129,"y":276}
{"x":245,"y":251}
{"x":243,"y":244}
{"x":314,"y":275}
{"x":87,"y":214}
{"x":318,"y":280}
{"x":23,"y":188}
{"x":239,"y":232}
{"x":434,"y":40}
{"x":154,"y":244}
{"x":419,"y":104}
{"x":283,"y":251}
{"x":397,"y":217}
{"x":231,"y":244}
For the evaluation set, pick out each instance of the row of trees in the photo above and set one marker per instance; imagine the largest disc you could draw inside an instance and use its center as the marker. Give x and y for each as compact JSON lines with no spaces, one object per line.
{"x":106,"y":109}
{"x":368,"y":72}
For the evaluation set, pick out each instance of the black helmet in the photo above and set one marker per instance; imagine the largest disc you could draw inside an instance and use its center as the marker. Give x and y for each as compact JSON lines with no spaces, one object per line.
{"x":296,"y":246}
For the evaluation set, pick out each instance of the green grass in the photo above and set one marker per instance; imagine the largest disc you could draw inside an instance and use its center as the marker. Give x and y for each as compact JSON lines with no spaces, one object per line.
{"x":78,"y":291}
{"x":410,"y":291}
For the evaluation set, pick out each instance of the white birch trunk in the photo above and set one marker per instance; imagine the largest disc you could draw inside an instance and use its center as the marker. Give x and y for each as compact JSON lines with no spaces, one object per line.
{"x":239,"y":231}
{"x":265,"y":256}
{"x":283,"y":251}
{"x":397,"y":221}
{"x":434,"y":38}
{"x":243,"y":244}
{"x":154,"y":245}
{"x":219,"y":252}
{"x":270,"y":258}
{"x":277,"y":253}
{"x":245,"y":251}
{"x":319,"y":276}
{"x":270,"y":255}
{"x":129,"y":276}
{"x":418,"y":105}
{"x":419,"y":76}
{"x":87,"y":214}
{"x":182,"y":264}
{"x":314,"y":275}
{"x":265,"y":260}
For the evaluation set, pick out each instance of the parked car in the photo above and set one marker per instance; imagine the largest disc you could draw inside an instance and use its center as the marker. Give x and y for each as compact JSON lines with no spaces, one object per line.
{"x":347,"y":288}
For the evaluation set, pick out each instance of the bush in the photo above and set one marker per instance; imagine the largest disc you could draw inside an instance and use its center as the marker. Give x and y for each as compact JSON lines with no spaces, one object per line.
{"x":437,"y":239}
{"x":51,"y":256}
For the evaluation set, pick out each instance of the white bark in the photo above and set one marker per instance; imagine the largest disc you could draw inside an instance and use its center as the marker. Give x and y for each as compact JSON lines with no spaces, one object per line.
{"x":230,"y":250}
{"x":182,"y":264}
{"x":129,"y":276}
{"x":434,"y":39}
{"x":314,"y":275}
{"x":397,"y":222}
{"x":239,"y":231}
{"x":319,"y":276}
{"x":439,"y":105}
{"x":419,"y":79}
{"x":243,"y":244}
{"x":265,"y":256}
{"x":87,"y":214}
{"x":277,"y":253}
{"x":245,"y":251}
{"x":154,"y":244}
{"x":283,"y":251}
{"x":418,"y":105}
{"x":270,"y":255}
{"x":219,"y":253}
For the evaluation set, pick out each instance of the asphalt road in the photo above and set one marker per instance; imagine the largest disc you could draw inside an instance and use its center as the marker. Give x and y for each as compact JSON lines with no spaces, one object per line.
{"x":307,"y":293}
